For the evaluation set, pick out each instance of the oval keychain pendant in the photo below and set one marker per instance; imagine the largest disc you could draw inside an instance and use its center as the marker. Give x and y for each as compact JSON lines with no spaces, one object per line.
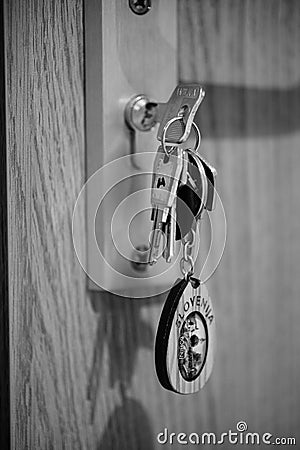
{"x":185,"y":338}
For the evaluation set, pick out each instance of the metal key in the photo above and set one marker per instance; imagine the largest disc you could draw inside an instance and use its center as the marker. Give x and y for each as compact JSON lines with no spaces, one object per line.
{"x":166,"y":177}
{"x":184,"y":102}
{"x":169,"y":250}
{"x":170,"y":229}
{"x":184,"y":173}
{"x":211,"y":175}
{"x":157,"y":233}
{"x":201,"y":189}
{"x":192,"y":196}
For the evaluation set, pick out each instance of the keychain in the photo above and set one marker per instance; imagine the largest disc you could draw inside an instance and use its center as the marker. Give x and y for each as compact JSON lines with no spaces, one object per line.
{"x":183,"y":185}
{"x":185,"y":338}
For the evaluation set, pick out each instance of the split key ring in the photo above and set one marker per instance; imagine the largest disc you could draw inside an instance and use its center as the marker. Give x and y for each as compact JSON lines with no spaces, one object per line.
{"x":167,"y":126}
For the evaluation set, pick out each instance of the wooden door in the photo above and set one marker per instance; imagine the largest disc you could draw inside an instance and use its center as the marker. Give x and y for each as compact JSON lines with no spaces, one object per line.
{"x":81,"y":364}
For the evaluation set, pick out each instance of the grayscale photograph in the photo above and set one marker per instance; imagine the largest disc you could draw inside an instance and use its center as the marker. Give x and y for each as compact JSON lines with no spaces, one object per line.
{"x":150,"y":224}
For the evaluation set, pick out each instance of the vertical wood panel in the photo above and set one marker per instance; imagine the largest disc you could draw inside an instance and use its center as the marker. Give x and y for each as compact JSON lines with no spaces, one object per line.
{"x":51,"y":321}
{"x":4,"y":304}
{"x":82,"y":371}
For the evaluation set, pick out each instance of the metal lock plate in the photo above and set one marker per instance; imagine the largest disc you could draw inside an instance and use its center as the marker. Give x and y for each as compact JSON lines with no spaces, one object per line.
{"x":125,"y":54}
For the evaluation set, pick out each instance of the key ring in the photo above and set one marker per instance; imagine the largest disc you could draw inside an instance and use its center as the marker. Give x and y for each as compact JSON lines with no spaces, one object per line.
{"x":167,"y":126}
{"x":187,"y":256}
{"x":188,"y":245}
{"x":190,"y":272}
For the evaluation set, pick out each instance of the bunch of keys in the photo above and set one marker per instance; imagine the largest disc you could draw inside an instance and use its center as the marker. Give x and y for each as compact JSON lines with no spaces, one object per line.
{"x":185,"y":338}
{"x":178,"y":174}
{"x":183,"y":185}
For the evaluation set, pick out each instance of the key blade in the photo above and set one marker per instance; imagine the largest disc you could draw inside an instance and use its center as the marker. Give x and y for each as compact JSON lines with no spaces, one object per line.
{"x":171,"y":235}
{"x":184,"y":172}
{"x":155,"y":246}
{"x":157,"y":233}
{"x":165,"y":252}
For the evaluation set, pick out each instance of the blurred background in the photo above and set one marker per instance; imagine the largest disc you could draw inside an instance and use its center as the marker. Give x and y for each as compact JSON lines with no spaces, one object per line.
{"x":82,"y":373}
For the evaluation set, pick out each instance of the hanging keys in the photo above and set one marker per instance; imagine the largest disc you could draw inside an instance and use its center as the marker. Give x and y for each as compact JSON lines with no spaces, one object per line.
{"x":185,"y":339}
{"x":183,"y":186}
{"x":167,"y":170}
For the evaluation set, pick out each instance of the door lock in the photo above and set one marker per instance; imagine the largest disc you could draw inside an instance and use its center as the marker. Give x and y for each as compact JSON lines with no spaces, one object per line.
{"x":176,"y":116}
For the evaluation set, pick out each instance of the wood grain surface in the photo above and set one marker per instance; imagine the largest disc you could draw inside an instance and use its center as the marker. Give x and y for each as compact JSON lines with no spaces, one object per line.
{"x":4,"y":302}
{"x":248,"y":56}
{"x":81,"y":364}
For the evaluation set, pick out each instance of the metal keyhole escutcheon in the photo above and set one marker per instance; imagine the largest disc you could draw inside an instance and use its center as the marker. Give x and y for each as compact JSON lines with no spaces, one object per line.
{"x":140,"y":7}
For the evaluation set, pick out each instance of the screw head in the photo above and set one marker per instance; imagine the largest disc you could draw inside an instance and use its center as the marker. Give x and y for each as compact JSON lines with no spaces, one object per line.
{"x":140,"y":7}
